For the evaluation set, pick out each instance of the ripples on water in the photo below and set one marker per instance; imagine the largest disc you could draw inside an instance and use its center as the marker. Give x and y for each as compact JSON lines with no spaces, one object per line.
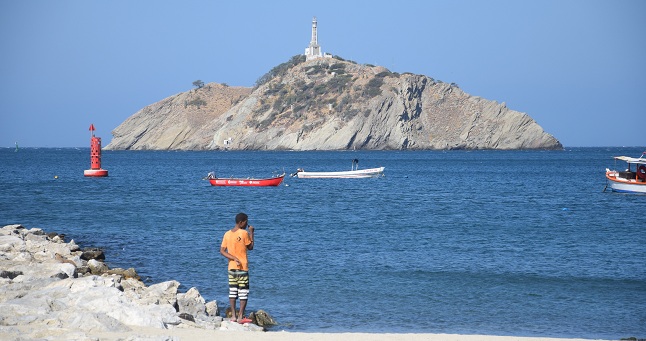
{"x":485,"y":242}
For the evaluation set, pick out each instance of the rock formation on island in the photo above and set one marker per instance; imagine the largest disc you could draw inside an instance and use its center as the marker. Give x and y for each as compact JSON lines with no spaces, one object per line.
{"x":330,"y":104}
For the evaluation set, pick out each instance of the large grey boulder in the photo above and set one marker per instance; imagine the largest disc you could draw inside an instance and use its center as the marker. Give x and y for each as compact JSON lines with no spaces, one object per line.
{"x":192,"y":303}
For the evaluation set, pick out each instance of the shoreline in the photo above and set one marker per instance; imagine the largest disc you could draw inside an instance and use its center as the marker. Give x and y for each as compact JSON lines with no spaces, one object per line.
{"x":51,"y":289}
{"x":198,"y":335}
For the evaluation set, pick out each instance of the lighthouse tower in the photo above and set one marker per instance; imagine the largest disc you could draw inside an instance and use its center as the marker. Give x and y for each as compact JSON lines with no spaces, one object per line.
{"x":95,"y":157}
{"x":313,"y":51}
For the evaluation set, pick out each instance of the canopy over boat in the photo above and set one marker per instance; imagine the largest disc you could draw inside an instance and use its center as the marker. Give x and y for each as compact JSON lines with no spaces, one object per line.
{"x":633,"y":160}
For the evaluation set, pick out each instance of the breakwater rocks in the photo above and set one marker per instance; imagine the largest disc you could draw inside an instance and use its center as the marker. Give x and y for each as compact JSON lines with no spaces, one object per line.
{"x":50,"y":289}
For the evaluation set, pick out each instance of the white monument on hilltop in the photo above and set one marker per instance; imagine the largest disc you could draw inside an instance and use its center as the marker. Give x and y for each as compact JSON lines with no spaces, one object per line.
{"x":313,"y":51}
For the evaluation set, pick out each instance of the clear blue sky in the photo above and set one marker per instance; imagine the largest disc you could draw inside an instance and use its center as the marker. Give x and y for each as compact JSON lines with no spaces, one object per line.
{"x":577,"y":67}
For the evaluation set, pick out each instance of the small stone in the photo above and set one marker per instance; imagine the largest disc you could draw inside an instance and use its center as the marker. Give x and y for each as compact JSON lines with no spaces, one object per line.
{"x":92,"y":253}
{"x":10,"y":274}
{"x":186,"y":316}
{"x":262,"y":318}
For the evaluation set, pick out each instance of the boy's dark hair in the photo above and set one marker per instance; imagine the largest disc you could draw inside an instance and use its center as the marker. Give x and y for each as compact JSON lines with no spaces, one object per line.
{"x":241,"y":217}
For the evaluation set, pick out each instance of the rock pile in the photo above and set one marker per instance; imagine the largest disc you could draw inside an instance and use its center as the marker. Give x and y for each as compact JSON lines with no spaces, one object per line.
{"x":51,"y":289}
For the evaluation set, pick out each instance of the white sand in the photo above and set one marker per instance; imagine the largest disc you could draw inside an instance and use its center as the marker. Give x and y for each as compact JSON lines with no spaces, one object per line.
{"x":202,"y":335}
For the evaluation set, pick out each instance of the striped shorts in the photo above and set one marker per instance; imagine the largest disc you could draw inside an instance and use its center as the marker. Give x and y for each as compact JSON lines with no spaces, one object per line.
{"x":238,"y":284}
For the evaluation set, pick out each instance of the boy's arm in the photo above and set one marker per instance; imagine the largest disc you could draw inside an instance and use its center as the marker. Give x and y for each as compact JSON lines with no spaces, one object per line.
{"x":223,"y":251}
{"x":250,"y":246}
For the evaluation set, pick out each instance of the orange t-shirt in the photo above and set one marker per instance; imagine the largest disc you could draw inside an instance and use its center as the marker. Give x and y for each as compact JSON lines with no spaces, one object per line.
{"x":236,"y":245}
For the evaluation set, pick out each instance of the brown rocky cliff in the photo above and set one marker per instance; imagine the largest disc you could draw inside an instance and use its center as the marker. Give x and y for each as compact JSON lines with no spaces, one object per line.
{"x":331,"y":104}
{"x":177,"y":122}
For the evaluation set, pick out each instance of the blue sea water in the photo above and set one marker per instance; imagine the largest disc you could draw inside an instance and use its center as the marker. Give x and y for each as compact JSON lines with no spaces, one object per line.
{"x":522,"y":243}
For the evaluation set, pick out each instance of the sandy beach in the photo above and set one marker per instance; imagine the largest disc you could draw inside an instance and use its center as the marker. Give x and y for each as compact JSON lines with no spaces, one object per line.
{"x":201,"y":334}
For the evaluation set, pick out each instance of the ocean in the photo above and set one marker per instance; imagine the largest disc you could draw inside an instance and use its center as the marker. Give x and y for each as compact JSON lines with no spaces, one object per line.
{"x":523,"y":243}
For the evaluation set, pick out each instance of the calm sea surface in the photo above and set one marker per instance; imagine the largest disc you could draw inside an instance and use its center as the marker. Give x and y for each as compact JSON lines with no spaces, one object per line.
{"x":484,"y":242}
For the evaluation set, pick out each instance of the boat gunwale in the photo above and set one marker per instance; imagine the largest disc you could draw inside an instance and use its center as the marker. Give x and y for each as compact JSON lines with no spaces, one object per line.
{"x":615,"y":178}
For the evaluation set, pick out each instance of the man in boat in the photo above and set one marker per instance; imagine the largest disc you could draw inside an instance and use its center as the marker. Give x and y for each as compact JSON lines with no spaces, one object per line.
{"x":235,"y":244}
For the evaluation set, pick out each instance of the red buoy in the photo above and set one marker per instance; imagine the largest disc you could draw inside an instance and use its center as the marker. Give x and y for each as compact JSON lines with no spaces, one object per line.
{"x":95,"y":157}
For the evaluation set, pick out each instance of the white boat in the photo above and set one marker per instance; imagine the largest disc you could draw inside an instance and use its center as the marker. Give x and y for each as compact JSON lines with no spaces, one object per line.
{"x":354,"y":173}
{"x":632,"y":180}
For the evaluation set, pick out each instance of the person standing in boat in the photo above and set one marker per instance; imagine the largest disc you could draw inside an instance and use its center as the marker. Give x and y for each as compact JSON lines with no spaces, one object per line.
{"x":235,"y":244}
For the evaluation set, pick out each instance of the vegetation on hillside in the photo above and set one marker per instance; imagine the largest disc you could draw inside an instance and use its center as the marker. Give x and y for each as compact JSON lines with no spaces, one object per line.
{"x":327,"y":88}
{"x":280,"y":70}
{"x":197,"y":102}
{"x":198,"y":84}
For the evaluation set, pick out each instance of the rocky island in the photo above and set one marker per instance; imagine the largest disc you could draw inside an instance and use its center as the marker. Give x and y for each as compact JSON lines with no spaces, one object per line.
{"x":330,"y":104}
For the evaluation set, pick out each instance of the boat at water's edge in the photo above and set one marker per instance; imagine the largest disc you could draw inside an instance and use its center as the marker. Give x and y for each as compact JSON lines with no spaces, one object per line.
{"x":628,"y":181}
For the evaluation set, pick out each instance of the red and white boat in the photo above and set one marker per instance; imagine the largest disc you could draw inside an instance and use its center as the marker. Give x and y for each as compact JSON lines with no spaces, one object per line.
{"x":632,"y":180}
{"x":215,"y":181}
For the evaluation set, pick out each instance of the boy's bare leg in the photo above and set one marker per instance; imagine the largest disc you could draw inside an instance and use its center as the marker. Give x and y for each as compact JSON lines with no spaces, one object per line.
{"x":243,"y":305}
{"x":232,"y":304}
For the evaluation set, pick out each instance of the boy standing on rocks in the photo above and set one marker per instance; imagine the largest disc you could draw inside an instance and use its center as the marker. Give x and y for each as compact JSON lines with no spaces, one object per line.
{"x":235,"y":244}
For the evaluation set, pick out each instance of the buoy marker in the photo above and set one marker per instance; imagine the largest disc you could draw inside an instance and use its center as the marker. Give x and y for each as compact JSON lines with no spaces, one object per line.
{"x":95,"y":157}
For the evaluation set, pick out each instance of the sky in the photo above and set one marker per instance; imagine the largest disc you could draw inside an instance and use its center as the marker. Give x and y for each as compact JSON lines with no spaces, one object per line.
{"x":577,"y":67}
